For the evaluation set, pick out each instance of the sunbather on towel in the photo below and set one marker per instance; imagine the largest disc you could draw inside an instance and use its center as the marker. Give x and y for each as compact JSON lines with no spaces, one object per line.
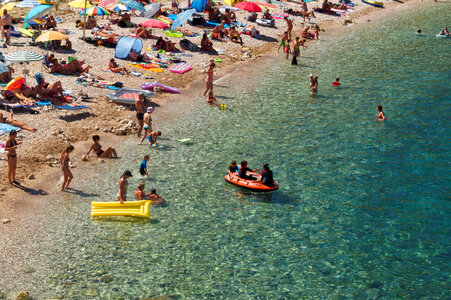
{"x":53,"y":93}
{"x":114,"y":67}
{"x":72,"y":68}
{"x":16,"y":123}
{"x":103,"y":33}
{"x":22,"y":95}
{"x":133,"y":56}
{"x":206,"y":44}
{"x":186,"y":32}
{"x":144,"y":33}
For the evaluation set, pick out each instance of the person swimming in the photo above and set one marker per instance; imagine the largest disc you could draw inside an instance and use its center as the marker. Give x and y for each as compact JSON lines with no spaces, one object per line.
{"x":380,"y":115}
{"x":419,"y":31}
{"x":336,"y":82}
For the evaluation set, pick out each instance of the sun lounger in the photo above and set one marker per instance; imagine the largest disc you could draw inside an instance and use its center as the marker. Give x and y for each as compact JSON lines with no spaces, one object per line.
{"x":129,"y":208}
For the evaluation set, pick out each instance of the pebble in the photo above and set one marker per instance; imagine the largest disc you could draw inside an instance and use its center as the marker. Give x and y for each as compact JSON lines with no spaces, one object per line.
{"x":6,"y":221}
{"x":105,"y":278}
{"x":31,"y":176}
{"x":100,"y":161}
{"x":50,"y":157}
{"x":23,"y":296}
{"x":84,"y":157}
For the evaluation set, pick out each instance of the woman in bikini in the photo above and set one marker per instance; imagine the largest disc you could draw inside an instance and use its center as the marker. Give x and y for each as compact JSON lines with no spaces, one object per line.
{"x":114,"y":67}
{"x":97,"y":149}
{"x":209,"y":79}
{"x":123,"y":185}
{"x":64,"y":163}
{"x":16,"y":123}
{"x":380,"y":115}
{"x":10,"y":147}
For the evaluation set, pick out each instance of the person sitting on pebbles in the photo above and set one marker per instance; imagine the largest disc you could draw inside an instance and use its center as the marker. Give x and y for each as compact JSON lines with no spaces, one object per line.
{"x":114,"y":67}
{"x":267,"y":15}
{"x":97,"y":149}
{"x":235,"y":36}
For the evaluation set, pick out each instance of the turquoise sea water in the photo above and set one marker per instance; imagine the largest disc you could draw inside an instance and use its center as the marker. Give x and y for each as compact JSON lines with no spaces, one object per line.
{"x":363,"y":206}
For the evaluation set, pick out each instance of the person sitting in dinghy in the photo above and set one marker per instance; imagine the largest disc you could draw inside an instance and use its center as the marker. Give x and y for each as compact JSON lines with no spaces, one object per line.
{"x":242,"y":172}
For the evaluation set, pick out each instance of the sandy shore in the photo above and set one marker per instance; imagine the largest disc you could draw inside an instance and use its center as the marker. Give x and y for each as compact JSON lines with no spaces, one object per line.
{"x":26,"y":207}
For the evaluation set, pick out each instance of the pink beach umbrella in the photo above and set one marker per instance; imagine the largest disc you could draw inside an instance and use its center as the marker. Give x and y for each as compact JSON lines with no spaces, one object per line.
{"x":249,"y":6}
{"x":153,"y":23}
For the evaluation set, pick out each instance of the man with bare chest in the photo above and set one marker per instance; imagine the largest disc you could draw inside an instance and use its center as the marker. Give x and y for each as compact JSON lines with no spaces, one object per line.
{"x":5,"y":22}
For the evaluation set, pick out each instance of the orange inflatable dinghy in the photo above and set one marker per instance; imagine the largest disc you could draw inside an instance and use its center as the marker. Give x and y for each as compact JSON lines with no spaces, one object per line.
{"x":250,"y":184}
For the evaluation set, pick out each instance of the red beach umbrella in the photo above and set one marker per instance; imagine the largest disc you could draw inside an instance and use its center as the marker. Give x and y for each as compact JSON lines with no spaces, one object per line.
{"x":249,"y":6}
{"x":153,"y":23}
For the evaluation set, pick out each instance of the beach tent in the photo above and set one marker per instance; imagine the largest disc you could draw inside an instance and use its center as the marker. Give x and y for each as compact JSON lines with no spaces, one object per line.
{"x":199,"y":5}
{"x":125,"y":45}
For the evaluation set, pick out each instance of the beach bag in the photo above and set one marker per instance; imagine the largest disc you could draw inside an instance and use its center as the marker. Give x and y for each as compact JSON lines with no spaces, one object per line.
{"x":197,"y":21}
{"x":118,"y":84}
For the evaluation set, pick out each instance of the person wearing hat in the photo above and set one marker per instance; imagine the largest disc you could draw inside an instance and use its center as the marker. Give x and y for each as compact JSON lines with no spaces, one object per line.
{"x":123,"y":185}
{"x":314,"y":83}
{"x":147,"y":123}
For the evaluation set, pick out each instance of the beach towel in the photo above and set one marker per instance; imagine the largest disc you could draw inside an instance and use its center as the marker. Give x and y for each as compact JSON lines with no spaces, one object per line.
{"x":2,"y":147}
{"x":137,"y":74}
{"x":70,"y":107}
{"x":4,"y":128}
{"x":17,"y":105}
{"x":148,"y":67}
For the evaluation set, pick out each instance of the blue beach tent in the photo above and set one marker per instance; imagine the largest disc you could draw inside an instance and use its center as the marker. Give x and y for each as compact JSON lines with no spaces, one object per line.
{"x":125,"y":45}
{"x":199,"y":5}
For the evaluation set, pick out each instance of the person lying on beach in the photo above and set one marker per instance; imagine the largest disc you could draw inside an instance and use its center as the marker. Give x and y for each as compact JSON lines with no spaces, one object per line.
{"x":380,"y":115}
{"x":235,"y":36}
{"x":91,"y":23}
{"x":327,"y":6}
{"x":72,"y":68}
{"x":313,"y":84}
{"x":97,"y":149}
{"x":16,"y":123}
{"x":242,"y":172}
{"x":22,"y":95}
{"x":283,"y":41}
{"x":134,"y":56}
{"x":144,"y":33}
{"x":253,"y":17}
{"x":105,"y":34}
{"x":267,"y":15}
{"x":114,"y":67}
{"x":206,"y":44}
{"x":305,"y":34}
{"x":157,"y":200}
{"x":47,"y":91}
{"x":123,"y":184}
{"x":186,"y":32}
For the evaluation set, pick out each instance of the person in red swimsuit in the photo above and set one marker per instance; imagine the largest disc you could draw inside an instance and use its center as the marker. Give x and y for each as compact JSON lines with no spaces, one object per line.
{"x":209,"y":79}
{"x":336,"y":82}
{"x":380,"y":115}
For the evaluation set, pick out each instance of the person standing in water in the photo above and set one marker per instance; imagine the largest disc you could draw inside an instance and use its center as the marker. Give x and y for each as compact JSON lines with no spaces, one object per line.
{"x":380,"y":115}
{"x":209,"y":79}
{"x":147,"y":123}
{"x":10,"y":147}
{"x":283,"y":41}
{"x":140,"y":110}
{"x":313,"y":84}
{"x":289,"y":25}
{"x":123,"y":185}
{"x":296,"y":51}
{"x":64,"y":163}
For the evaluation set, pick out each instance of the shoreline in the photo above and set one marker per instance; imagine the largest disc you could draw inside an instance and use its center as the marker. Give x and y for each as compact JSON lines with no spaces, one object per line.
{"x":170,"y":106}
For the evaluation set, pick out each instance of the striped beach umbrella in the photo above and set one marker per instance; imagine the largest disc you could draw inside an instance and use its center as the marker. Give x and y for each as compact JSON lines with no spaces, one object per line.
{"x":118,"y":7}
{"x":181,"y":18}
{"x":95,"y":11}
{"x":37,"y":12}
{"x":28,"y":3}
{"x":134,"y":5}
{"x":106,"y":3}
{"x":151,"y":9}
{"x":24,"y":56}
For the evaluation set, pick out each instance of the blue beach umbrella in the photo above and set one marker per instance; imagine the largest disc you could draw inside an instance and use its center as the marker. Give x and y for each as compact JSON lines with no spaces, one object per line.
{"x":199,"y":5}
{"x":28,"y":3}
{"x":37,"y":12}
{"x":3,"y":68}
{"x":181,"y":18}
{"x":134,"y":5}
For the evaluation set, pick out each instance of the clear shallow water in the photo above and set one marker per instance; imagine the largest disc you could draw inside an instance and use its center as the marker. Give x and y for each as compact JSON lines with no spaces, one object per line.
{"x":362,"y":210}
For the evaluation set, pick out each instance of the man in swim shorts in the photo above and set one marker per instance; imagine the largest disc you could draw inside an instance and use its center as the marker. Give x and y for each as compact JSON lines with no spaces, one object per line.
{"x":5,"y":22}
{"x":283,"y":41}
{"x":140,"y":110}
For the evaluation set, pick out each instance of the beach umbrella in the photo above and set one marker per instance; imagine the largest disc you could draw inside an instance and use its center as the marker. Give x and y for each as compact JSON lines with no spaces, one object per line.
{"x":28,"y":3}
{"x":8,"y":6}
{"x":106,"y":3}
{"x":151,"y":10}
{"x":199,"y":5}
{"x":24,"y":57}
{"x":118,"y":7}
{"x":3,"y":68}
{"x":153,"y":23}
{"x":134,"y":5}
{"x":51,"y":36}
{"x":249,"y":6}
{"x":79,"y":4}
{"x":181,"y":18}
{"x":95,"y":11}
{"x":37,"y":12}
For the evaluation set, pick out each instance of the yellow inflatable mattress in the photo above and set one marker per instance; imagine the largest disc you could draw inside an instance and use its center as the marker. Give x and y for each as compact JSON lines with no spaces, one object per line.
{"x":129,"y":208}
